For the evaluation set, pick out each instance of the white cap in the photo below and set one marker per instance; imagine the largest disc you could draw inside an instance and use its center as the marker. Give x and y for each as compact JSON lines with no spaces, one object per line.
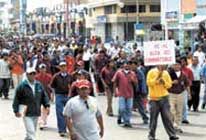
{"x":62,"y":63}
{"x":30,"y":70}
{"x":42,"y":66}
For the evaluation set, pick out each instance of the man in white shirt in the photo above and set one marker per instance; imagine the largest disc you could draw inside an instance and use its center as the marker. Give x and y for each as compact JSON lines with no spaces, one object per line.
{"x":83,"y":116}
{"x":201,"y":55}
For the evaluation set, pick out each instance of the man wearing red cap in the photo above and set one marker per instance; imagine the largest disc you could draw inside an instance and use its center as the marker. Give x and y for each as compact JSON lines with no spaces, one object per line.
{"x":82,"y":113}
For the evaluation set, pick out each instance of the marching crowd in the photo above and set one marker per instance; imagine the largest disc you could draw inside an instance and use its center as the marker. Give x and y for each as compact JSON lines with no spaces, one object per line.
{"x":72,"y":73}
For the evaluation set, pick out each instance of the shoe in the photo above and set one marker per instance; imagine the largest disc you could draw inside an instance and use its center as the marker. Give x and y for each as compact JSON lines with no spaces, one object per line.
{"x":174,"y":138}
{"x":178,"y":130}
{"x":6,"y":98}
{"x":203,"y":106}
{"x":42,"y":126}
{"x":119,"y":121}
{"x":128,"y":125}
{"x":145,"y":122}
{"x":185,"y":122}
{"x":196,"y":110}
{"x":110,"y":114}
{"x":151,"y":138}
{"x":62,"y":134}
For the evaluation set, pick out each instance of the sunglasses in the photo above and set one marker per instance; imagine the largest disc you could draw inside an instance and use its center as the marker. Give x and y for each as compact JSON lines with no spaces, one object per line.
{"x":87,"y":105}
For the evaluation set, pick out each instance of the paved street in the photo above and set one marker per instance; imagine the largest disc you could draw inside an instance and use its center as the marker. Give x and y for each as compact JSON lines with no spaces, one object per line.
{"x":12,"y":128}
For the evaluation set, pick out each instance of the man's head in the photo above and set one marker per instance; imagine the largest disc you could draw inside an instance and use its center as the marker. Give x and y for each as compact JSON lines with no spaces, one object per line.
{"x":133,"y":65}
{"x":63,"y":66}
{"x":30,"y":73}
{"x":5,"y":55}
{"x":177,"y":65}
{"x":126,"y":65}
{"x":183,"y":61}
{"x":110,"y":63}
{"x":84,"y":88}
{"x":195,"y":60}
{"x":42,"y":68}
{"x":199,"y":48}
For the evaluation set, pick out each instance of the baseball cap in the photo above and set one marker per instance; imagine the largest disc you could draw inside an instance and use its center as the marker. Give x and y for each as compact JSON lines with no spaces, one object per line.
{"x":63,"y":63}
{"x":30,"y":70}
{"x":41,"y":66}
{"x":83,"y":83}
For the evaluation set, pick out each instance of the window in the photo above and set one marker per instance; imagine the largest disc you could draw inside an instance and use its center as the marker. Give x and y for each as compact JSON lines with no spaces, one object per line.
{"x":129,"y":9}
{"x":107,"y":10}
{"x":155,"y":8}
{"x":142,"y":8}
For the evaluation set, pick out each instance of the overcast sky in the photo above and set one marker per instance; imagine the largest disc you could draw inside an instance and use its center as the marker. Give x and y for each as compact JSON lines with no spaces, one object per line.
{"x":32,"y":4}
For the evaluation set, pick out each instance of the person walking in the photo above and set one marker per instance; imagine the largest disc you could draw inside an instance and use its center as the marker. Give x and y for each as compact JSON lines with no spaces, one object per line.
{"x":61,"y":82}
{"x":124,"y":81}
{"x":44,"y":78}
{"x":84,"y":119}
{"x":107,"y":74}
{"x":17,"y":71}
{"x":29,"y":96}
{"x":188,"y":72}
{"x":140,"y":91}
{"x":196,"y":84}
{"x":180,"y":84}
{"x":5,"y":75}
{"x":159,"y":81}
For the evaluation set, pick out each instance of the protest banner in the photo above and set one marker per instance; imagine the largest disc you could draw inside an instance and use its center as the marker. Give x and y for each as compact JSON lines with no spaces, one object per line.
{"x":159,"y":52}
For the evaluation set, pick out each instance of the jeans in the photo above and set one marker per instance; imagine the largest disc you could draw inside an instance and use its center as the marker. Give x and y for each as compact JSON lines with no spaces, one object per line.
{"x":4,"y":87}
{"x":125,"y":109}
{"x":185,"y":106}
{"x":138,"y":101}
{"x":61,"y":101}
{"x":30,"y":124}
{"x":161,"y":106}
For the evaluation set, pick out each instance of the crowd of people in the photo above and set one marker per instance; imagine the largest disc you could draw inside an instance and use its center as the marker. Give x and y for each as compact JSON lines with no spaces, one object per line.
{"x":72,"y":74}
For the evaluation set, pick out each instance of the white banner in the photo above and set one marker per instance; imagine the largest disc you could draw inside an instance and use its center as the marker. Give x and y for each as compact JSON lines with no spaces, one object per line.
{"x":159,"y":53}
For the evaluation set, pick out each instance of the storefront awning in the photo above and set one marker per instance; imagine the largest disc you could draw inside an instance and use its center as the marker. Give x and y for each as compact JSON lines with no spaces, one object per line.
{"x":196,"y":19}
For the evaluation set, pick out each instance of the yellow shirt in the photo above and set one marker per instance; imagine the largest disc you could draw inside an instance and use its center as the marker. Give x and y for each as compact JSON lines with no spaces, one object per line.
{"x":156,"y":90}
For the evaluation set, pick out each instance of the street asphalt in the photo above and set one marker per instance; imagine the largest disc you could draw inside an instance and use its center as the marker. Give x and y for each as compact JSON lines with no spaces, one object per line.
{"x":12,"y":128}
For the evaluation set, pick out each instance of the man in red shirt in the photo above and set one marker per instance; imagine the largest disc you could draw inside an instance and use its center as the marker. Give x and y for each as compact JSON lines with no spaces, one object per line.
{"x":188,"y":72}
{"x":124,"y":81}
{"x":44,"y":78}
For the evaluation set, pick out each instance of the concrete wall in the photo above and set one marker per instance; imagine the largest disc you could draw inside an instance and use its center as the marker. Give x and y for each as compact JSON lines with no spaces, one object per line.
{"x":118,"y":30}
{"x":99,"y":31}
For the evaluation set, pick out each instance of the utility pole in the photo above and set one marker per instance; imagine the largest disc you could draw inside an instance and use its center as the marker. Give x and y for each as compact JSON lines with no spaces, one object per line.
{"x":165,"y":19}
{"x":137,"y":18}
{"x":181,"y":30}
{"x":67,"y":19}
{"x":23,"y":5}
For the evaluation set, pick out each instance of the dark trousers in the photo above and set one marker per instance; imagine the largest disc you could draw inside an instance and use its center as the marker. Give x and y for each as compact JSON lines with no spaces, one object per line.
{"x":138,"y":102}
{"x":4,"y":87}
{"x":161,"y":106}
{"x":99,"y":83}
{"x":195,"y":92}
{"x":86,"y":65}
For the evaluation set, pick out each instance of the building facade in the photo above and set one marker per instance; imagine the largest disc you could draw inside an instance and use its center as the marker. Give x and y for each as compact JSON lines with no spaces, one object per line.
{"x":111,"y":18}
